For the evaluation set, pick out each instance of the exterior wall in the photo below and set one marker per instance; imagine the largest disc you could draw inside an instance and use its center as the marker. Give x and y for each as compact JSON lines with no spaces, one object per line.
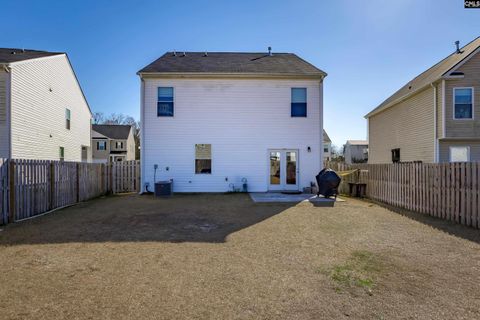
{"x":439,"y":109}
{"x":327,"y":155}
{"x":100,"y":155}
{"x":444,"y":149}
{"x":131,"y":146}
{"x":113,"y":145}
{"x":41,"y":91}
{"x":4,"y":141}
{"x":242,"y":119}
{"x":354,"y":153}
{"x":464,"y":128}
{"x":409,"y":125}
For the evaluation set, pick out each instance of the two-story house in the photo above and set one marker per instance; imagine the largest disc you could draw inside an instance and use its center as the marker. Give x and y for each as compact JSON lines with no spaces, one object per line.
{"x":433,"y":118}
{"x":43,"y":111}
{"x":112,"y":142}
{"x":355,"y":151}
{"x":212,"y":121}
{"x":327,"y":147}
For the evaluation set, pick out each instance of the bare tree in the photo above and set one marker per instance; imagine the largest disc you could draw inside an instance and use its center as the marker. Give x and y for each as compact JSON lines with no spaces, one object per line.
{"x":98,"y":118}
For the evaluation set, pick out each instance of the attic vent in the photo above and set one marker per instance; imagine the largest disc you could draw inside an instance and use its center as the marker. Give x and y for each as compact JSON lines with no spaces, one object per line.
{"x":270,"y":51}
{"x":13,"y":52}
{"x":174,"y":53}
{"x":205,"y":54}
{"x":184,"y":54}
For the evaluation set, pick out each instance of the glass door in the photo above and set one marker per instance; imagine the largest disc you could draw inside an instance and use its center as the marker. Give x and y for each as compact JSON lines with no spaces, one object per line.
{"x":283,"y":170}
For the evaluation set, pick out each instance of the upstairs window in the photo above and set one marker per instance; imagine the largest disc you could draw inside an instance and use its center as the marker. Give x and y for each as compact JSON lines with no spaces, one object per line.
{"x":62,"y":153}
{"x":459,"y":154}
{"x":203,"y":158}
{"x":299,"y":102}
{"x":101,"y":145}
{"x":165,"y":102}
{"x":67,"y":119}
{"x":395,"y":155}
{"x":119,"y":145}
{"x":463,"y":103}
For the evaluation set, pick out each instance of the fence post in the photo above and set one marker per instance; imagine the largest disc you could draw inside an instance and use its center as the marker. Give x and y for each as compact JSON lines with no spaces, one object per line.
{"x":11,"y":189}
{"x":77,"y":182}
{"x":52,"y":185}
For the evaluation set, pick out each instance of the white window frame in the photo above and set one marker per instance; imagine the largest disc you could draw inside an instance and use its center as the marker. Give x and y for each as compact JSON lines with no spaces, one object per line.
{"x":156,"y":105}
{"x":450,"y":153}
{"x":103,"y":142}
{"x":195,"y":160}
{"x":473,"y":104}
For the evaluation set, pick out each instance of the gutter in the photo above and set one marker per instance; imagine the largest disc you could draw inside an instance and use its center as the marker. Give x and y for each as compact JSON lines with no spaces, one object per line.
{"x":142,"y":134}
{"x":319,"y":76}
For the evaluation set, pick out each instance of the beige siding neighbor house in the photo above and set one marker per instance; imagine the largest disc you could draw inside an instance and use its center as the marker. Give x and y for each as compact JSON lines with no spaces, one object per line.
{"x":356,"y":151}
{"x":112,"y":142}
{"x":43,"y":112}
{"x":433,"y":118}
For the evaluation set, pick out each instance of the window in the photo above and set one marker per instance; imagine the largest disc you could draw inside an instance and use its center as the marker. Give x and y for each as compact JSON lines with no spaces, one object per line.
{"x":325,"y":149}
{"x":395,"y":155}
{"x":119,"y":144}
{"x":203,"y":158}
{"x":62,"y":153}
{"x":101,"y":145}
{"x":165,"y":102}
{"x":463,"y":103}
{"x":67,"y":119}
{"x":299,"y":102}
{"x":459,"y":154}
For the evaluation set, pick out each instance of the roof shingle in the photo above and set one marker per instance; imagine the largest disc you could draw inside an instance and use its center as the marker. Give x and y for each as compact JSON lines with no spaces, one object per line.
{"x":9,"y":55}
{"x":113,"y":131}
{"x":232,"y":62}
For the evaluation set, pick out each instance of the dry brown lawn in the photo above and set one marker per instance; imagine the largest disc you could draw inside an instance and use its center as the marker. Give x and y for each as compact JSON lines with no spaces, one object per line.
{"x":224,"y":257}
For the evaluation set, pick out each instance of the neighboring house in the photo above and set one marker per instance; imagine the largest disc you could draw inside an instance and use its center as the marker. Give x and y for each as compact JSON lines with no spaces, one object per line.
{"x":356,"y":151}
{"x":211,"y":120}
{"x":433,"y":118}
{"x":43,"y":112}
{"x":112,"y":142}
{"x":327,"y":147}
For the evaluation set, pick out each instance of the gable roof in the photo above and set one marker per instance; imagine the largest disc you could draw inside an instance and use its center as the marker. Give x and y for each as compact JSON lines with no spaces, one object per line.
{"x":113,"y":131}
{"x":326,"y":138}
{"x":9,"y":55}
{"x":232,"y":63}
{"x":429,"y":76}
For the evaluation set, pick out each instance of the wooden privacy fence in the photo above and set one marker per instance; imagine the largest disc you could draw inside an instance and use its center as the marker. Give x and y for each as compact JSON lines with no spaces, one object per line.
{"x":32,"y":187}
{"x":449,"y":191}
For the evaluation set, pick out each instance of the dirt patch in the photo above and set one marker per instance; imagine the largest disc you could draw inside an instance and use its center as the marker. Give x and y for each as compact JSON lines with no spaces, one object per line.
{"x":225,"y":257}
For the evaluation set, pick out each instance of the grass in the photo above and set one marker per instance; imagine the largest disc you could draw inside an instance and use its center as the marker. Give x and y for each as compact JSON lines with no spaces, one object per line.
{"x":221,"y":256}
{"x":359,"y":270}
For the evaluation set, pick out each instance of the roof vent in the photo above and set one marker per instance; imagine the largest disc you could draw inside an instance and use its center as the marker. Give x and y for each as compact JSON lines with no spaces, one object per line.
{"x":205,"y":54}
{"x":457,"y":44}
{"x":270,"y":51}
{"x":184,"y":54}
{"x":174,"y":53}
{"x":13,"y":52}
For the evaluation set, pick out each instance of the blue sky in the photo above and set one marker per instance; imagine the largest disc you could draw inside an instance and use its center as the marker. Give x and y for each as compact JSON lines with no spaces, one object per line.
{"x":369,"y":48}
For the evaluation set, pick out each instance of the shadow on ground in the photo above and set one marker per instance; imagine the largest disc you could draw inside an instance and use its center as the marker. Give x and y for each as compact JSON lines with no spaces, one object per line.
{"x":450,"y":227}
{"x":182,"y":218}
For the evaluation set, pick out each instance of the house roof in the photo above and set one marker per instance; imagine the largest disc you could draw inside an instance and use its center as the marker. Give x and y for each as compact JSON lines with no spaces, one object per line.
{"x":9,"y":55}
{"x":232,"y":63}
{"x":326,"y":138}
{"x":429,"y":76}
{"x":357,"y":142}
{"x":113,"y":131}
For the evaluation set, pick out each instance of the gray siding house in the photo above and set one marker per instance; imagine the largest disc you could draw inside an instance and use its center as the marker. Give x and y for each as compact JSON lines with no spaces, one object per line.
{"x":435,"y":117}
{"x":111,"y":142}
{"x":356,"y":151}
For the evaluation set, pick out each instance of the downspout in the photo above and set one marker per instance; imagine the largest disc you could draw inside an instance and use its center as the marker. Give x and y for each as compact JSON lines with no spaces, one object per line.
{"x":435,"y":143}
{"x":142,"y":134}
{"x":321,"y":122}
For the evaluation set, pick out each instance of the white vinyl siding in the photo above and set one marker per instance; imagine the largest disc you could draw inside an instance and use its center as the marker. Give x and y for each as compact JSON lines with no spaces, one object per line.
{"x":41,"y":91}
{"x":4,"y":144}
{"x":242,"y":119}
